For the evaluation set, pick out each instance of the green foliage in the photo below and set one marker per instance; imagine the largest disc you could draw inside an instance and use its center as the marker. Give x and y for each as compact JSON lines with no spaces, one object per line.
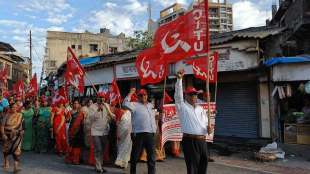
{"x":140,"y":40}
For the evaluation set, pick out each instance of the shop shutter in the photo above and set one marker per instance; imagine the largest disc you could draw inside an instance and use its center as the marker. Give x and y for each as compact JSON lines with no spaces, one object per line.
{"x":237,"y":110}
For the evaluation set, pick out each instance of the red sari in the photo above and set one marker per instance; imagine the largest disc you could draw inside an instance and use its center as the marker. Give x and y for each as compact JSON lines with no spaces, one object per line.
{"x":60,"y":136}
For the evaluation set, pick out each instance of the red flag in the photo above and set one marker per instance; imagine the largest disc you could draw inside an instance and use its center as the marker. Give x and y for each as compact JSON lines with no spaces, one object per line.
{"x":150,"y":67}
{"x":33,"y":87}
{"x":185,"y":37}
{"x":167,"y":98}
{"x":134,"y":98}
{"x":61,"y":95}
{"x":18,"y":88}
{"x":200,"y":67}
{"x":4,"y":74}
{"x":75,"y":73}
{"x":114,"y":93}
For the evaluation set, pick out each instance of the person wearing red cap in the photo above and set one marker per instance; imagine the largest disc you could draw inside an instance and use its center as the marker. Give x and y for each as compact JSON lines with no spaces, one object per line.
{"x":144,"y":129}
{"x":194,"y":125}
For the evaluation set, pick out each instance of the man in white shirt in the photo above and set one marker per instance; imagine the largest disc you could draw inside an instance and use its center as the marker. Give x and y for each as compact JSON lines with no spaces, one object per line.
{"x":194,"y":124}
{"x":99,"y":131}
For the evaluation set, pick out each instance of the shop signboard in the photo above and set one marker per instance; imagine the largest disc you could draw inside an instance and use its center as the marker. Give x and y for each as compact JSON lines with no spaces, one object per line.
{"x":127,"y":70}
{"x":171,"y":127}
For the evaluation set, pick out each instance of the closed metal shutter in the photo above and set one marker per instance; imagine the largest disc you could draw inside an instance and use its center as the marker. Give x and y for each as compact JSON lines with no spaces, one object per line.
{"x":237,"y":110}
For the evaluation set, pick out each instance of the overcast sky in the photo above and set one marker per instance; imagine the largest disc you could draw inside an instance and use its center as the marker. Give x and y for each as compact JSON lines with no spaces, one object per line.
{"x":17,"y":17}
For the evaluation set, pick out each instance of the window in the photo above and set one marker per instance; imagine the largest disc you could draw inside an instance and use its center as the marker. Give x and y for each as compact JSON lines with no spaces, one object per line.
{"x":51,"y":63}
{"x":113,"y":49}
{"x":73,"y":46}
{"x":80,"y":47}
{"x":93,"y":47}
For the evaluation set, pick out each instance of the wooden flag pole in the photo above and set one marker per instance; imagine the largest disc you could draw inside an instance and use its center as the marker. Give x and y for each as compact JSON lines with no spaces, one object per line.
{"x":206,"y":3}
{"x":163,"y":103}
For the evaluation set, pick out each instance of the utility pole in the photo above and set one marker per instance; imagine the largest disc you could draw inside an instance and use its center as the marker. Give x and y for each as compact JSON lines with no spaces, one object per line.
{"x":30,"y":56}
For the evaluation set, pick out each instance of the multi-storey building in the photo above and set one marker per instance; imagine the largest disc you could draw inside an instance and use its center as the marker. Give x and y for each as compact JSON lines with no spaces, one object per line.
{"x":220,"y":16}
{"x":83,"y":44}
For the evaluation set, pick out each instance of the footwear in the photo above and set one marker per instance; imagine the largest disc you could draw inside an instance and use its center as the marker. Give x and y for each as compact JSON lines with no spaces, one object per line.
{"x":17,"y":170}
{"x":104,"y":171}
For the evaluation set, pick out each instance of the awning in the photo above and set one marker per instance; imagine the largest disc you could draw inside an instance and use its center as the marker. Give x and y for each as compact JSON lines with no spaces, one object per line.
{"x":286,"y":60}
{"x":89,"y":60}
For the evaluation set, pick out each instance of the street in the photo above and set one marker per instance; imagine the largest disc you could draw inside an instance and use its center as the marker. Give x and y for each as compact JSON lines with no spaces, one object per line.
{"x":52,"y":164}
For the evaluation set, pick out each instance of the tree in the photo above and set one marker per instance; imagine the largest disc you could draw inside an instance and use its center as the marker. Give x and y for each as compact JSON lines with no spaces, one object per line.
{"x":140,"y":40}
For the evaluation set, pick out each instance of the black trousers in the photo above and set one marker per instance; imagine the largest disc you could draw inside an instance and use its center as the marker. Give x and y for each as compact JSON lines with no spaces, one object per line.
{"x":196,"y":155}
{"x":139,"y":142}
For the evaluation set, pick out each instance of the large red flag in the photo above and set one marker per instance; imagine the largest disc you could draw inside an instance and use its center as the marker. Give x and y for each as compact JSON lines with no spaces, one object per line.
{"x":200,"y":67}
{"x":185,"y":37}
{"x":114,"y":93}
{"x":33,"y":87}
{"x":75,"y":73}
{"x":150,"y":67}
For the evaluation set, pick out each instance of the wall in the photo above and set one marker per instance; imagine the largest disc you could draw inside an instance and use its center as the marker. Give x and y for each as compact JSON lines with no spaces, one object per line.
{"x":264,"y":109}
{"x":291,"y":72}
{"x":57,"y":43}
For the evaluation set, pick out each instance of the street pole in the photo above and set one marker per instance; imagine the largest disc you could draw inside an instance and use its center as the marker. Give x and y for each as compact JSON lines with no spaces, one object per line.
{"x":30,"y":54}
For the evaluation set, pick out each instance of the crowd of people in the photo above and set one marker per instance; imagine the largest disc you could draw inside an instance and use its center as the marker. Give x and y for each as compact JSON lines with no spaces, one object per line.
{"x":92,"y":131}
{"x":78,"y":131}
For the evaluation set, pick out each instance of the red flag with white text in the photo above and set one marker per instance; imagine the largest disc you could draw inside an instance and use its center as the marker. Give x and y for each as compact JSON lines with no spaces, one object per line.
{"x":75,"y":73}
{"x":184,"y":37}
{"x":200,"y":67}
{"x":150,"y":67}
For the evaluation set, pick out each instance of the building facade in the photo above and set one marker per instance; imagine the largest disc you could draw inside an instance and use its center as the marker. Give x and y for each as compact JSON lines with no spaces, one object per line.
{"x":220,"y":16}
{"x":18,"y":67}
{"x":83,"y":44}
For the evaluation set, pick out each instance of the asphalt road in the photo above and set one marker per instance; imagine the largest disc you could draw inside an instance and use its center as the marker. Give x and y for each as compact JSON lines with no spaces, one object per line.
{"x":51,"y":164}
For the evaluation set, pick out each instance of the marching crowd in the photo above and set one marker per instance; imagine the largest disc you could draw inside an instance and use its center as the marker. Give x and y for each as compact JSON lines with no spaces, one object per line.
{"x":82,"y":131}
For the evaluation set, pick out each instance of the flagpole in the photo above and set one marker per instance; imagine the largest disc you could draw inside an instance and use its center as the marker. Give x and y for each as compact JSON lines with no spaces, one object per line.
{"x":163,"y":103}
{"x":208,"y":62}
{"x":92,"y":84}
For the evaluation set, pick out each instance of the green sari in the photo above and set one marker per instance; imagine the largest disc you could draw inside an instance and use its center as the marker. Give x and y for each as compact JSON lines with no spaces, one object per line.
{"x":28,"y":136}
{"x":42,"y":129}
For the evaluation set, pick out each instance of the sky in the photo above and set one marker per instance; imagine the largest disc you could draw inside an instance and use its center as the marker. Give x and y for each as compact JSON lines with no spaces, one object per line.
{"x":18,"y":17}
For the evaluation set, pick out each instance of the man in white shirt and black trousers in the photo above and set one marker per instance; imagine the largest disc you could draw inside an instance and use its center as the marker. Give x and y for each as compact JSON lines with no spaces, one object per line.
{"x":143,"y":129}
{"x":194,"y":125}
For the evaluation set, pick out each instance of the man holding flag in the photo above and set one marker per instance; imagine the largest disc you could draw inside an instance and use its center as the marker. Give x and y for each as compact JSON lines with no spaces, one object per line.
{"x":194,"y":124}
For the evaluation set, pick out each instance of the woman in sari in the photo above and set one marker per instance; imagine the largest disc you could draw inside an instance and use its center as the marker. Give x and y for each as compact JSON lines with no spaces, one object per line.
{"x":76,"y":135}
{"x":28,"y":114}
{"x":12,"y":136}
{"x":124,"y":143}
{"x":59,"y":127}
{"x":42,"y":127}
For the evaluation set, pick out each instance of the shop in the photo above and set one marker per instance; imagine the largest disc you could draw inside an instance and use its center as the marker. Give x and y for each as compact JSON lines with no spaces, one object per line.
{"x":291,"y":95}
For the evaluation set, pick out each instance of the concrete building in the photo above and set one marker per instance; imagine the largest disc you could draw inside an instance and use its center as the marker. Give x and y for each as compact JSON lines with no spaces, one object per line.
{"x":84,"y":45}
{"x":18,"y":67}
{"x":220,"y":16}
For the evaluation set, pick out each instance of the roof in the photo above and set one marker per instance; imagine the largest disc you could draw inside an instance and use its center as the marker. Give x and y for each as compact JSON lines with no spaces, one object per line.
{"x":253,"y":32}
{"x":287,"y":60}
{"x":116,"y":58}
{"x":89,"y":60}
{"x":6,"y":47}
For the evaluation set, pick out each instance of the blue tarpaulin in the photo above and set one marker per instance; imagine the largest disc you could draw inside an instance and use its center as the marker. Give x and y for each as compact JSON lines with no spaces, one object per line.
{"x":89,"y":60}
{"x":286,"y":60}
